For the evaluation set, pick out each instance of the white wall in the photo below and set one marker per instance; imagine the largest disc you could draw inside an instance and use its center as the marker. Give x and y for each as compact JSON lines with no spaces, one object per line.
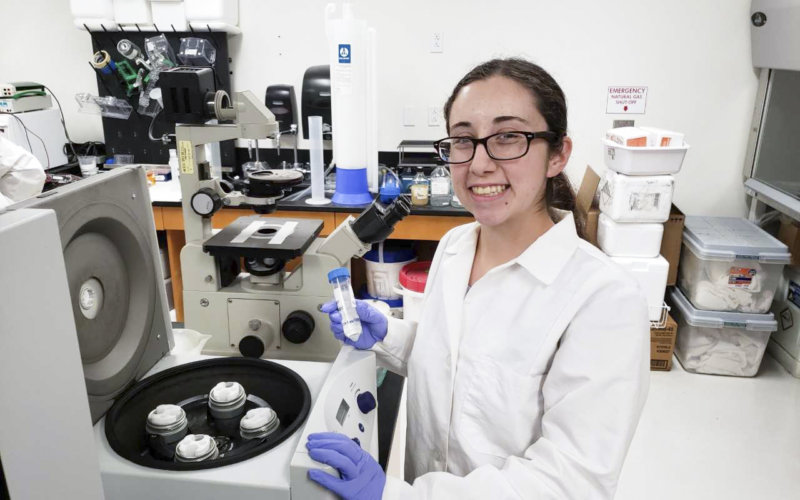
{"x":693,"y":55}
{"x":39,"y":43}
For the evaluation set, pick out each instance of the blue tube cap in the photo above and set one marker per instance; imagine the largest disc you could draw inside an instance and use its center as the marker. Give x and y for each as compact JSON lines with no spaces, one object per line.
{"x":339,"y":272}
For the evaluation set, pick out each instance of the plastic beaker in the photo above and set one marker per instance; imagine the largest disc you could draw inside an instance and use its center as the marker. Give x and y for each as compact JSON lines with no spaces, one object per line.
{"x":88,"y":165}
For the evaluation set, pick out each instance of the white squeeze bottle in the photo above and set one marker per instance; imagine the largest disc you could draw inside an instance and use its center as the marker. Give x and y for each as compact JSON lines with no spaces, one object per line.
{"x":346,"y":302}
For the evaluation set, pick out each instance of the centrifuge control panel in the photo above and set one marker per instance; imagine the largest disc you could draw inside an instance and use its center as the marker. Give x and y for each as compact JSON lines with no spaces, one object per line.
{"x":347,"y":404}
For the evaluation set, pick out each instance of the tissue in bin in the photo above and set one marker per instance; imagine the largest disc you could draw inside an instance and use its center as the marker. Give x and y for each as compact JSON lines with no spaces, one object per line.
{"x":645,"y":137}
{"x":663,"y":138}
{"x":628,"y":136}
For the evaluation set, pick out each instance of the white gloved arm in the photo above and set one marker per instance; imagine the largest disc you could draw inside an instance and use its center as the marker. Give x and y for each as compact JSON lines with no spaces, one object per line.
{"x":21,"y":174}
{"x":593,"y":397}
{"x":393,"y":351}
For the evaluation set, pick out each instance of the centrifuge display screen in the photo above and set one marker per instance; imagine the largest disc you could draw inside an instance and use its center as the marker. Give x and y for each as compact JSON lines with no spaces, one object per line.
{"x":341,"y":413}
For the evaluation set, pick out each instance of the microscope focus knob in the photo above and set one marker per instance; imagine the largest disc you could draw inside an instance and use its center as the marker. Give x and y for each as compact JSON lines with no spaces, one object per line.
{"x":251,"y":346}
{"x":206,"y":202}
{"x":298,"y":327}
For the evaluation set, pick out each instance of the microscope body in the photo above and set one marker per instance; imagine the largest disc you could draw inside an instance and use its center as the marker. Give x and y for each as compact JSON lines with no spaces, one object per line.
{"x":272,"y":309}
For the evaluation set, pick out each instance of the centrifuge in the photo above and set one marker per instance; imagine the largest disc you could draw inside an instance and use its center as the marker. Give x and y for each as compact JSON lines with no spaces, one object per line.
{"x":132,"y":367}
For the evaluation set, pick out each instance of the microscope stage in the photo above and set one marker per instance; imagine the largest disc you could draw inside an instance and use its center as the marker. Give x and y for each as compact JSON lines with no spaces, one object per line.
{"x":258,"y":237}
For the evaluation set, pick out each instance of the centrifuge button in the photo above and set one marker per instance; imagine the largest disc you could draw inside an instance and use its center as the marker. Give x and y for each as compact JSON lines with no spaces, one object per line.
{"x":366,"y":402}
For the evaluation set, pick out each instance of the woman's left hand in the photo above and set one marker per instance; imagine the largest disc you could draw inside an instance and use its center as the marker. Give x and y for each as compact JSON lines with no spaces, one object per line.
{"x":361,"y":476}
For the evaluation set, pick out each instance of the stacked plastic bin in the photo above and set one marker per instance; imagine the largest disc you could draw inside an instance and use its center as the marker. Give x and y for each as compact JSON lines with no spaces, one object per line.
{"x":727,"y":278}
{"x":635,"y":201}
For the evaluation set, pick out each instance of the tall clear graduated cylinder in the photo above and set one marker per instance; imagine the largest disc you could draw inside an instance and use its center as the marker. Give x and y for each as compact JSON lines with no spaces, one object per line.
{"x":346,"y":302}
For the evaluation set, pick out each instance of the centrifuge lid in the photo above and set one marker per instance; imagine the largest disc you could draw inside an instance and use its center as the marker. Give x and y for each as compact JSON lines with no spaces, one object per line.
{"x":115,"y":280}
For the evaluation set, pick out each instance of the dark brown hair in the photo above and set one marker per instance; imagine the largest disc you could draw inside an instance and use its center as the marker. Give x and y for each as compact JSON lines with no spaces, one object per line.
{"x":551,"y":103}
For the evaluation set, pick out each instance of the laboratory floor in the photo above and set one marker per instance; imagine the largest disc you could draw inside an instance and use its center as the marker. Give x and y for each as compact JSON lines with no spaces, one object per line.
{"x":713,"y":437}
{"x":705,"y":437}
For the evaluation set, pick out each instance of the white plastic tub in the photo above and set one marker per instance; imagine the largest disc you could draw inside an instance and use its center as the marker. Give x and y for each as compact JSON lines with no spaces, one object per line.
{"x":730,"y":264}
{"x":168,"y":14}
{"x":93,"y":14}
{"x":629,"y":239}
{"x":92,"y":8}
{"x":719,"y":343}
{"x":131,"y":12}
{"x":651,"y":274}
{"x":413,"y":278}
{"x":383,"y":267}
{"x":627,"y":198}
{"x":644,"y":160}
{"x":412,"y":303}
{"x":217,"y":14}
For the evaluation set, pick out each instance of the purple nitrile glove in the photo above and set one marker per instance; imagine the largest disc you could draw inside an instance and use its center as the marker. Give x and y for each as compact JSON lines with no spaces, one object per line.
{"x":361,"y":476}
{"x":373,"y":324}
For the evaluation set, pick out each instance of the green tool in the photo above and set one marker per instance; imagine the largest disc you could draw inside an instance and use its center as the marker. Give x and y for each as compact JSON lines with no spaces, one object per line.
{"x":128,"y":76}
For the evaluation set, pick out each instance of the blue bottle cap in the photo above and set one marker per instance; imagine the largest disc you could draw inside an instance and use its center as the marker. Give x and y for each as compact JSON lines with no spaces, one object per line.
{"x":339,"y":272}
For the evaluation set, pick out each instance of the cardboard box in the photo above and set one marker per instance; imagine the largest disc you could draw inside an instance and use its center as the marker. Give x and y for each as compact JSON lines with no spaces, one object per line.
{"x":586,"y":205}
{"x":671,"y":242}
{"x":789,"y":235}
{"x":662,"y":343}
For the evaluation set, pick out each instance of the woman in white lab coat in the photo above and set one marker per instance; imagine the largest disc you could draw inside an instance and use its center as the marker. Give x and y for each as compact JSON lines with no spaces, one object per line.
{"x":21,"y":174}
{"x":529,"y":367}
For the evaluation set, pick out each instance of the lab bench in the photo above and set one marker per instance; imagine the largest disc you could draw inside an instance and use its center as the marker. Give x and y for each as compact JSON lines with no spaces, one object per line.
{"x":424,"y":224}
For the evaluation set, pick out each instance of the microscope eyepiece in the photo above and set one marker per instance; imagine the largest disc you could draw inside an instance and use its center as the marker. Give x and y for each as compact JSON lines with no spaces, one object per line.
{"x":377,"y":222}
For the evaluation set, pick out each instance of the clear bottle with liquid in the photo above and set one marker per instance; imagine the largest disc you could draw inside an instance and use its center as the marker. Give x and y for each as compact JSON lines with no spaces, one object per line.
{"x":406,"y":180}
{"x":440,"y":187}
{"x":346,"y":302}
{"x":455,"y":202}
{"x":420,"y":189}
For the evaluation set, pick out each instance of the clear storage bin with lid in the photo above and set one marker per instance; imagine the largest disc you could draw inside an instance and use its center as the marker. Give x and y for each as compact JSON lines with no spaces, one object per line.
{"x":730,"y":264}
{"x":719,"y":343}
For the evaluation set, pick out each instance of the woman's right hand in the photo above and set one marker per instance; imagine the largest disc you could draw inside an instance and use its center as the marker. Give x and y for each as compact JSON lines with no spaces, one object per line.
{"x":373,"y":324}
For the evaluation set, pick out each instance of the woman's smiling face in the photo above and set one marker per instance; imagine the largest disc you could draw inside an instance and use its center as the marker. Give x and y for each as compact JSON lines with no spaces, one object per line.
{"x":507,"y":191}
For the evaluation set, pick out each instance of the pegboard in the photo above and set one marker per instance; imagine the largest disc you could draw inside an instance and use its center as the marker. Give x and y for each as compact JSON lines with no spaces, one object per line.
{"x":131,"y":136}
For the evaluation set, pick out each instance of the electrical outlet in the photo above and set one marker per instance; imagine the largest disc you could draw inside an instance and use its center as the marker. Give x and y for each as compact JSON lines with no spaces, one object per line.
{"x":437,"y":42}
{"x":435,"y":117}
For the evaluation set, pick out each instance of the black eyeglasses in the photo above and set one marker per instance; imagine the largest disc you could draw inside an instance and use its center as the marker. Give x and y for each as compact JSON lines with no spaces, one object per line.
{"x":501,"y":146}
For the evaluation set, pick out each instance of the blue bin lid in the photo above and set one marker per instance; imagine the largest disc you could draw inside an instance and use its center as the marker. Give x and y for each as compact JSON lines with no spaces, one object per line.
{"x":390,"y":255}
{"x":364,"y":294}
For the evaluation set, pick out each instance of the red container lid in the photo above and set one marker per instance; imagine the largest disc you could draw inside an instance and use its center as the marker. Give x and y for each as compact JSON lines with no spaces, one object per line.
{"x":413,"y":276}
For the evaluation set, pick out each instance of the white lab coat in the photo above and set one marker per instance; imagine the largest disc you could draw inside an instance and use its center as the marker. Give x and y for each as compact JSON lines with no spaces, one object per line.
{"x":529,"y":384}
{"x":21,"y":174}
